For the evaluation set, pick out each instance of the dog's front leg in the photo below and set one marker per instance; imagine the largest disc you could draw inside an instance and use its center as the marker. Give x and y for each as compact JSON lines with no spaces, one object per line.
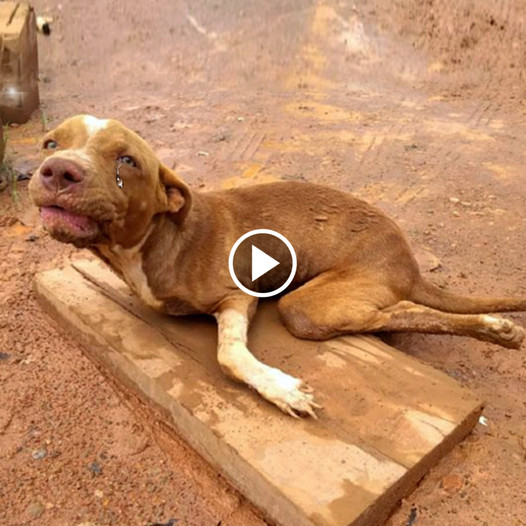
{"x":285,"y":391}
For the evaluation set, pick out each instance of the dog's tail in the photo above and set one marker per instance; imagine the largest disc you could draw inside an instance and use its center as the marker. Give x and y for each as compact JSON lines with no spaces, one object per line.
{"x":430,"y":295}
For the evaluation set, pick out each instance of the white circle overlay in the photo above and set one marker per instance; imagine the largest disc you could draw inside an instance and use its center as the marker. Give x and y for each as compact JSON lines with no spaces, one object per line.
{"x":270,"y":233}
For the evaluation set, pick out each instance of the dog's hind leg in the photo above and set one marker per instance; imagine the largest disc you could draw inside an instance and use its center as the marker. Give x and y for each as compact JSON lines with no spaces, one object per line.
{"x":288,"y":393}
{"x":331,"y":305}
{"x":408,"y":316}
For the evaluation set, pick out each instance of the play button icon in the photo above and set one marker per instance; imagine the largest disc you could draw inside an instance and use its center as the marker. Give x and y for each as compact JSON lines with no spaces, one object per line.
{"x":262,"y":263}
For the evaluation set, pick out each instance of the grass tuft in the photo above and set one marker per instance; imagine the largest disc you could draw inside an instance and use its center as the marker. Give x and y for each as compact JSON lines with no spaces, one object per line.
{"x":8,"y":175}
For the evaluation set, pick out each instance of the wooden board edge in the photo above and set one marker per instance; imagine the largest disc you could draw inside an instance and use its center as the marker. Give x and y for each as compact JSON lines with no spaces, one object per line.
{"x":409,"y":482}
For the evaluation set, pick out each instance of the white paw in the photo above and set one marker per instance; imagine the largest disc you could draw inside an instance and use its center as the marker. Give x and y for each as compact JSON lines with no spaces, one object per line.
{"x":288,"y":393}
{"x":504,"y":332}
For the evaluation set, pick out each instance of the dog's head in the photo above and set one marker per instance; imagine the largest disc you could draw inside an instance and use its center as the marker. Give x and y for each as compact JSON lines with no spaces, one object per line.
{"x":102,"y":184}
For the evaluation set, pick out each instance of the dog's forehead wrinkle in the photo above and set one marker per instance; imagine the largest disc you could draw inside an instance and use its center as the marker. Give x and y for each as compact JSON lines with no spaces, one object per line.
{"x":116,"y":141}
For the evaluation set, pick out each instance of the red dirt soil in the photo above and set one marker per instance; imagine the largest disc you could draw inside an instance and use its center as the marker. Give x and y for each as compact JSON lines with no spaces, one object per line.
{"x":416,"y":106}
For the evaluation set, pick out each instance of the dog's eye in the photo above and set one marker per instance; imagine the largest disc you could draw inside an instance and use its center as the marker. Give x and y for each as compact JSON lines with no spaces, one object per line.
{"x":50,"y":144}
{"x":126,"y":159}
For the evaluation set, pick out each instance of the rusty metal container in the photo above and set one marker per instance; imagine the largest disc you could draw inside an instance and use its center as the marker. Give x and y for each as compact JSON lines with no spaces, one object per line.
{"x":18,"y":62}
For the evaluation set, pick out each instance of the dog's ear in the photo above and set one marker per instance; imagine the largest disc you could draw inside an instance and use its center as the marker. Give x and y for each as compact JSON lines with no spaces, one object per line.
{"x":177,"y":194}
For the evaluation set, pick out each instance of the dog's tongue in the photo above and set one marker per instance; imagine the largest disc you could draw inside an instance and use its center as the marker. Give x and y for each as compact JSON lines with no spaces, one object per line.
{"x":55,"y":218}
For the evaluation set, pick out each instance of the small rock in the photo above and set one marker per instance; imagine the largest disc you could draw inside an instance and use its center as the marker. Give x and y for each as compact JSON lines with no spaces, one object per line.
{"x":95,"y":468}
{"x":202,"y":153}
{"x":412,"y":516}
{"x":456,"y":214}
{"x":6,"y":417}
{"x":220,"y":137}
{"x":452,"y":482}
{"x":180,"y":125}
{"x":154,"y":117}
{"x":31,"y":237}
{"x":39,"y":454}
{"x":98,"y":493}
{"x":25,"y":166}
{"x":483,"y":421}
{"x":427,"y":261}
{"x":36,"y":509}
{"x":4,"y":356}
{"x":454,"y":200}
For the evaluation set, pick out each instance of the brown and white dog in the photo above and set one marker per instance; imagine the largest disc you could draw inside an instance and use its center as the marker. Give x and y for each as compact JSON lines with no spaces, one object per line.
{"x":171,"y":245}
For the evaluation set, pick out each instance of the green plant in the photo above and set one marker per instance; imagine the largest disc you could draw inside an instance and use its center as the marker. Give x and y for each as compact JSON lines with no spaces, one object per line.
{"x":5,"y":136}
{"x":8,"y":175}
{"x":43,"y":120}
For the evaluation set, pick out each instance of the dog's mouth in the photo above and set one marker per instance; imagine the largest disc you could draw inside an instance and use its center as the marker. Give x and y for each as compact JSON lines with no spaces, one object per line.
{"x":68,"y":226}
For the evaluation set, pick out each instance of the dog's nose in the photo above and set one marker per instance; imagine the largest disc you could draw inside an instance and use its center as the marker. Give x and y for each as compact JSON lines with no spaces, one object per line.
{"x":60,"y":173}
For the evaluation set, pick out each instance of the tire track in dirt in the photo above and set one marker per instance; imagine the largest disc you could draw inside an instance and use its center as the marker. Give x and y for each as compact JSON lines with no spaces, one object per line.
{"x":244,"y":146}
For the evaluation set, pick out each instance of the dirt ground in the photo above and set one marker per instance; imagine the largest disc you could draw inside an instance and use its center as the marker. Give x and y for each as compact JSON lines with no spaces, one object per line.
{"x":416,"y":106}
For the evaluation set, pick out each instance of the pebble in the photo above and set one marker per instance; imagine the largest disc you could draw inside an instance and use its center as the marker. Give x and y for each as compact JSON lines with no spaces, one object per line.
{"x":6,"y":416}
{"x":36,"y":509}
{"x":39,"y":454}
{"x":95,"y":468}
{"x":171,"y":522}
{"x":412,"y":516}
{"x":452,"y":482}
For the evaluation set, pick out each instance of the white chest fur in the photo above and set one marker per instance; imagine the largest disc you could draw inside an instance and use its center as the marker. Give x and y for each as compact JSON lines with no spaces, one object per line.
{"x":129,"y":262}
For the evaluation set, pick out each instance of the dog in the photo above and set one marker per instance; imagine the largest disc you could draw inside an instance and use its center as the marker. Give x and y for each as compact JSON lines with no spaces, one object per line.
{"x":101,"y":186}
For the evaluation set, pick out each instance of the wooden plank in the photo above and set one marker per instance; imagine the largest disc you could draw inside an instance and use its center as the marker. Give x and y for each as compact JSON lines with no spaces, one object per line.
{"x":388,"y":418}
